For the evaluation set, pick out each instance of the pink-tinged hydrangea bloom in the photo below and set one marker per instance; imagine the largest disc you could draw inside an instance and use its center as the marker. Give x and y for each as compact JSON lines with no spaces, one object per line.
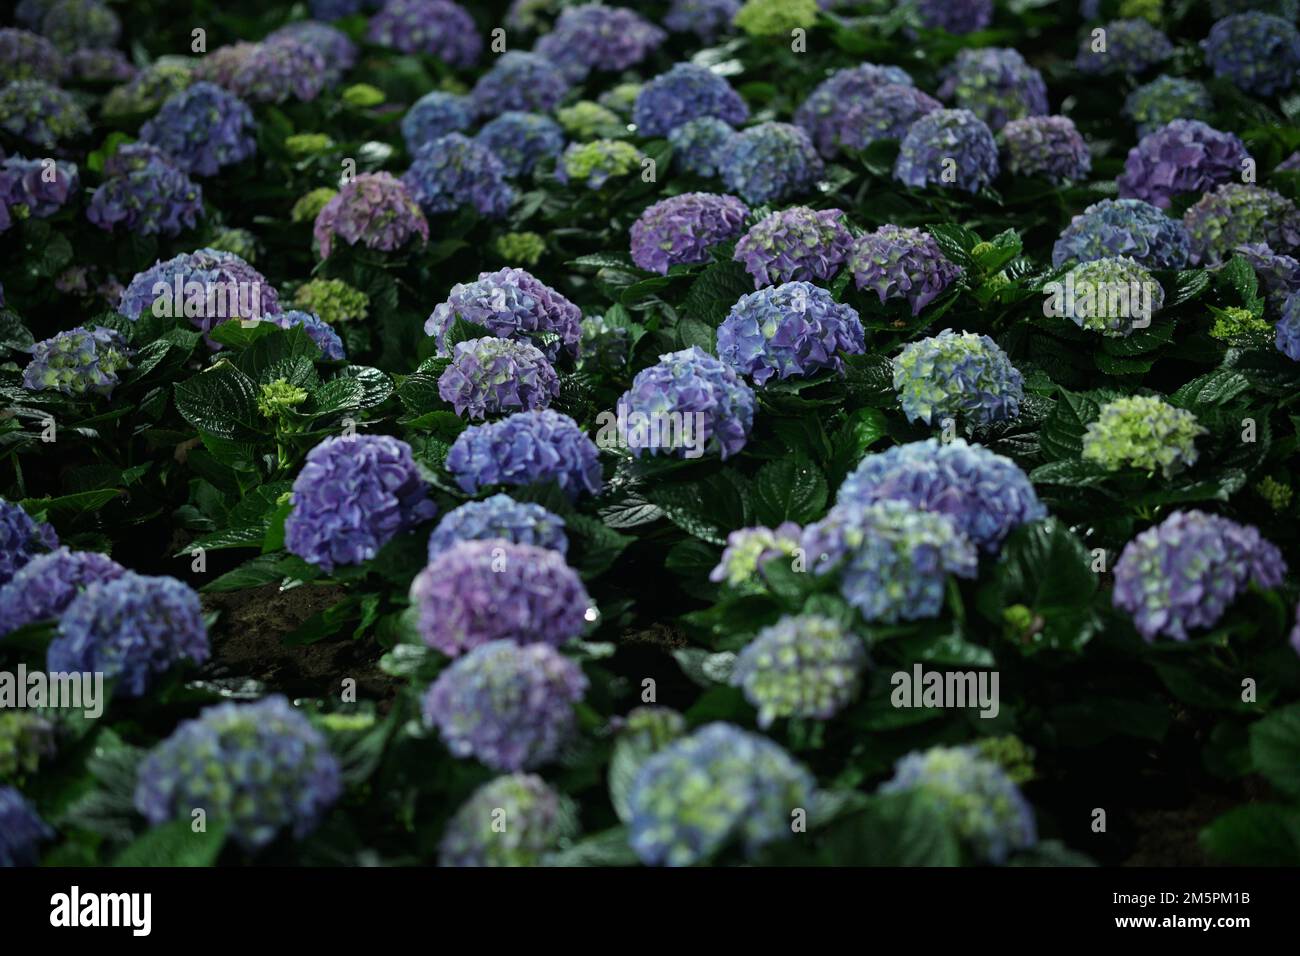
{"x":511,"y":303}
{"x":1183,"y":156}
{"x":527,"y":448}
{"x":439,"y":28}
{"x":896,"y":262}
{"x":684,"y":93}
{"x":683,"y":228}
{"x":1047,"y":146}
{"x":203,"y":128}
{"x":492,"y":376}
{"x":825,"y":114}
{"x":376,"y":210}
{"x":146,"y":193}
{"x":943,"y":142}
{"x":791,"y":330}
{"x":797,"y":243}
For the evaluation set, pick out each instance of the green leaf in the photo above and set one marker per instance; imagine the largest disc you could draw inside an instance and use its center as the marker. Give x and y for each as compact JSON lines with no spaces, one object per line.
{"x":896,"y":829}
{"x":221,"y":401}
{"x":715,"y":291}
{"x":1046,"y":568}
{"x":608,"y":848}
{"x":70,"y":506}
{"x":1213,"y":388}
{"x":1259,"y":834}
{"x":175,"y":844}
{"x":789,"y":489}
{"x":1275,"y":749}
{"x":1062,"y":433}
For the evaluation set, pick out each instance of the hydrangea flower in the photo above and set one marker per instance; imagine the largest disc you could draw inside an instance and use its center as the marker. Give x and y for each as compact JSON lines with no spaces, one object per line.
{"x":523,"y":248}
{"x":1047,"y":146}
{"x":749,"y":549}
{"x":260,"y":768}
{"x":26,"y":56}
{"x":770,"y":18}
{"x":352,"y":496}
{"x":203,"y":128}
{"x":520,"y":82}
{"x":335,"y":47}
{"x":324,"y":337}
{"x":1183,"y":156}
{"x":27,"y":187}
{"x":1183,"y":573}
{"x":1131,"y":46}
{"x":713,"y":403}
{"x":683,"y":228}
{"x":438,"y":28}
{"x":333,"y":300}
{"x":273,"y":72}
{"x":1237,"y":214}
{"x":21,"y":539}
{"x":1131,"y":228}
{"x":1145,"y":432}
{"x":596,"y":37}
{"x":148,"y":89}
{"x":684,"y":93}
{"x":717,"y":786}
{"x":806,"y":666}
{"x":130,"y":628}
{"x":955,"y":16}
{"x":509,"y":707}
{"x":511,"y":304}
{"x":521,"y":140}
{"x":1112,"y":296}
{"x":221,"y":284}
{"x":26,"y":739}
{"x":338,"y":9}
{"x":1278,"y":274}
{"x":700,"y":145}
{"x":374,"y":209}
{"x":956,"y":374}
{"x":985,"y":807}
{"x":72,"y":24}
{"x":21,"y":830}
{"x":707,"y":19}
{"x":996,"y":84}
{"x":1167,"y":98}
{"x":433,"y":116}
{"x":604,"y":346}
{"x":526,"y":448}
{"x":1257,"y":51}
{"x":80,"y":361}
{"x":499,"y":516}
{"x":146,"y":193}
{"x":886,"y":113}
{"x":595,"y":163}
{"x":587,"y":119}
{"x":1287,"y":332}
{"x":455,"y":171}
{"x":224,"y":64}
{"x":896,"y":262}
{"x":797,"y":243}
{"x":946,"y":143}
{"x":790,"y":330}
{"x":41,"y":114}
{"x":770,"y":162}
{"x":491,"y":376}
{"x":48,"y":583}
{"x":99,"y":66}
{"x":824,"y":114}
{"x":621,"y":98}
{"x":536,"y":820}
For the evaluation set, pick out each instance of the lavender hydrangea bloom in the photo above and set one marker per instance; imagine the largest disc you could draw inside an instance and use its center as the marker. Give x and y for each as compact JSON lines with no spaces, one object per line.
{"x":1131,"y":46}
{"x":996,"y":84}
{"x":492,"y":376}
{"x":791,"y":330}
{"x":130,"y":628}
{"x":499,"y":516}
{"x":707,"y":19}
{"x":260,"y":768}
{"x":797,"y":243}
{"x":324,"y":337}
{"x":44,"y":586}
{"x":943,"y":139}
{"x":21,"y":830}
{"x":38,"y":113}
{"x":203,"y":128}
{"x":717,"y":786}
{"x":508,"y":707}
{"x":436,"y":27}
{"x":699,"y":388}
{"x":524,"y":449}
{"x":955,"y":16}
{"x":80,"y":361}
{"x":684,"y":93}
{"x":1183,"y":573}
{"x":21,"y":539}
{"x":511,"y":304}
{"x":1278,"y":274}
{"x":887,"y":113}
{"x":454,"y":171}
{"x":376,"y":210}
{"x":1167,"y":98}
{"x":805,"y":666}
{"x":1237,"y":214}
{"x":596,"y":37}
{"x":1287,"y":332}
{"x":353,"y":495}
{"x":824,"y":115}
{"x":433,"y":116}
{"x":1047,"y":146}
{"x":749,"y":549}
{"x":957,"y":375}
{"x":28,"y":185}
{"x":1183,"y":156}
{"x":146,"y":193}
{"x":226,"y":285}
{"x":1258,"y":52}
{"x":771,"y":162}
{"x":521,"y":140}
{"x":275,"y":71}
{"x":99,"y":66}
{"x":334,"y":46}
{"x":26,"y":56}
{"x":700,"y":145}
{"x":1124,"y":227}
{"x":521,"y":82}
{"x":901,"y":263}
{"x":683,"y":228}
{"x":539,"y":820}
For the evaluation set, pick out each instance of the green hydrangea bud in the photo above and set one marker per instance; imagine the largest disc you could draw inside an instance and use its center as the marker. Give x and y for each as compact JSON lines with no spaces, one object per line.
{"x":770,"y":18}
{"x":309,"y":205}
{"x":981,"y":248}
{"x":1144,"y":432}
{"x":1150,"y":10}
{"x":1018,"y":623}
{"x":1013,"y":754}
{"x":588,"y":120}
{"x":1235,"y":322}
{"x":333,"y":300}
{"x":239,"y":241}
{"x":308,"y":144}
{"x":598,"y":161}
{"x":363,"y":95}
{"x":1275,"y":493}
{"x":520,"y":248}
{"x":278,"y":397}
{"x":621,"y":98}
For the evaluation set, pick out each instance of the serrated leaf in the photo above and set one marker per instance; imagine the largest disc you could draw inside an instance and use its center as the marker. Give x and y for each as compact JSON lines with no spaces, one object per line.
{"x":789,"y":489}
{"x":221,"y":401}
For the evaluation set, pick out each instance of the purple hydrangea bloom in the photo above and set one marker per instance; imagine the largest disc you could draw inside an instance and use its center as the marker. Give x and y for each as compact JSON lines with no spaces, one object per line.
{"x":337,"y":9}
{"x":1278,"y":274}
{"x":223,"y":65}
{"x":433,"y":116}
{"x":203,"y":128}
{"x":21,"y":539}
{"x":887,"y":113}
{"x":26,"y":56}
{"x":955,"y":16}
{"x":1257,"y":51}
{"x":1183,"y":156}
{"x":996,"y":84}
{"x":319,"y":331}
{"x":521,"y":82}
{"x":700,"y":145}
{"x":508,"y":707}
{"x":100,"y":66}
{"x":684,"y":93}
{"x":1124,"y":227}
{"x":1131,"y":46}
{"x":1295,"y":631}
{"x":1289,"y":165}
{"x":707,"y":19}
{"x":454,"y":171}
{"x":38,"y":113}
{"x":1287,"y":333}
{"x":1183,"y":573}
{"x":791,"y":330}
{"x":521,"y":140}
{"x":797,"y":243}
{"x":1167,"y":98}
{"x":1235,"y":214}
{"x":437,"y":27}
{"x":376,"y":210}
{"x":259,"y":768}
{"x":540,"y":819}
{"x":499,"y":516}
{"x":494,"y":376}
{"x":771,"y":162}
{"x":130,"y":628}
{"x":511,"y":304}
{"x":80,"y":361}
{"x":146,"y":193}
{"x":596,"y":37}
{"x":944,"y":140}
{"x":985,"y":494}
{"x":526,"y":448}
{"x":26,"y":183}
{"x":1047,"y":146}
{"x":334,"y":46}
{"x":221,"y":284}
{"x":353,"y":495}
{"x":901,"y":263}
{"x":683,"y":228}
{"x":806,"y":667}
{"x":825,"y":114}
{"x":953,"y":375}
{"x":275,"y":71}
{"x":21,"y":830}
{"x":699,"y":388}
{"x":44,"y":586}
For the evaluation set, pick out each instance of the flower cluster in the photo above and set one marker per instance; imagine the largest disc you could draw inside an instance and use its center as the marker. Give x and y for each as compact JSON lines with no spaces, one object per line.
{"x":1144,"y":432}
{"x":594,"y":164}
{"x":148,"y":89}
{"x":144,"y":191}
{"x":41,"y":114}
{"x":80,"y":361}
{"x":596,"y":37}
{"x":499,"y":516}
{"x":824,"y":114}
{"x":1183,"y":156}
{"x":35,"y":187}
{"x":99,"y":66}
{"x":536,"y":820}
{"x":772,"y":18}
{"x":948,"y":148}
{"x":896,"y":262}
{"x":26,"y":738}
{"x":1047,"y":146}
{"x":1237,"y":214}
{"x":770,"y":162}
{"x":21,"y":539}
{"x":1130,"y":46}
{"x":526,"y":448}
{"x":437,"y":27}
{"x":1257,"y":51}
{"x":521,"y":140}
{"x":1167,"y":98}
{"x":955,"y":16}
{"x":797,"y":243}
{"x":805,"y":666}
{"x":996,"y":84}
{"x":794,"y":329}
{"x":1278,"y":274}
{"x":274,"y":71}
{"x":333,"y":300}
{"x":1112,"y":296}
{"x":21,"y":830}
{"x":334,"y":46}
{"x":886,"y":113}
{"x":1124,"y":227}
{"x":72,"y":24}
{"x":521,"y":248}
{"x":700,"y":145}
{"x":957,"y":374}
{"x":684,"y":93}
{"x":376,"y":210}
{"x":491,"y":376}
{"x":456,"y":171}
{"x":1287,"y":332}
{"x":27,"y":56}
{"x":324,"y":337}
{"x":45,"y":585}
{"x":707,"y":19}
{"x":226,"y":287}
{"x":433,"y":116}
{"x":683,"y":228}
{"x":749,"y":549}
{"x":202,"y":128}
{"x":511,"y":304}
{"x":521,"y":82}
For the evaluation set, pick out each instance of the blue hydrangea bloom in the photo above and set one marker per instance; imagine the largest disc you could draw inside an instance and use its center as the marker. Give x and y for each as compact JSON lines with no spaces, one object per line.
{"x":1278,"y":274}
{"x":707,"y":19}
{"x":21,"y":830}
{"x":537,"y":820}
{"x":948,"y":148}
{"x":996,"y":84}
{"x":48,"y":583}
{"x":491,"y":376}
{"x":806,"y":666}
{"x":1183,"y":156}
{"x":1287,"y":337}
{"x":700,"y":145}
{"x":21,"y":539}
{"x":26,"y":56}
{"x":521,"y":140}
{"x":437,"y":28}
{"x":1124,"y":227}
{"x":886,"y":113}
{"x":958,"y":375}
{"x":683,"y":228}
{"x":1257,"y":51}
{"x":790,"y":330}
{"x":319,"y":331}
{"x":334,"y":46}
{"x":684,"y":93}
{"x":955,"y":16}
{"x":824,"y":114}
{"x":202,"y":128}
{"x":524,"y":449}
{"x":511,"y":303}
{"x":144,"y":191}
{"x":221,"y":283}
{"x":1131,"y":46}
{"x":25,"y":184}
{"x":1047,"y":146}
{"x":797,"y":243}
{"x":433,"y":116}
{"x":80,"y":361}
{"x":771,"y":162}
{"x":521,"y":82}
{"x":596,"y":37}
{"x":41,"y":114}
{"x":1167,"y":98}
{"x":455,"y":171}
{"x":499,"y":516}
